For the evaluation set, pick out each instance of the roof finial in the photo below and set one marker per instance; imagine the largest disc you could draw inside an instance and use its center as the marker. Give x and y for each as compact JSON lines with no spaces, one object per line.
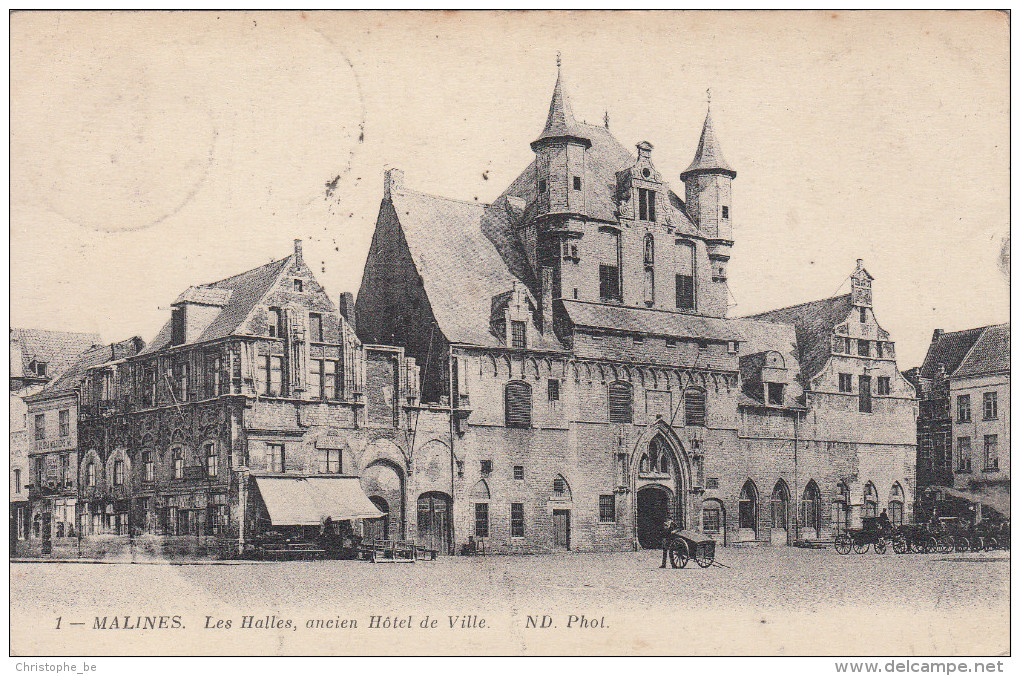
{"x":559,"y":60}
{"x":607,"y":119}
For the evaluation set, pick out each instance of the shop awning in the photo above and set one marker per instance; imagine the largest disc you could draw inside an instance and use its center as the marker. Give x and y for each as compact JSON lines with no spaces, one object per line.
{"x":307,"y":501}
{"x":996,"y":497}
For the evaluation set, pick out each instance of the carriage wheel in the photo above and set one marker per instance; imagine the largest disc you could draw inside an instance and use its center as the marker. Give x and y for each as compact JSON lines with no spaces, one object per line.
{"x":678,"y":556}
{"x":960,"y":543}
{"x":703,"y":559}
{"x":991,"y":543}
{"x":900,"y":545}
{"x":945,"y":544}
{"x":861,"y":547}
{"x":880,"y":545}
{"x":843,"y":543}
{"x":975,"y":544}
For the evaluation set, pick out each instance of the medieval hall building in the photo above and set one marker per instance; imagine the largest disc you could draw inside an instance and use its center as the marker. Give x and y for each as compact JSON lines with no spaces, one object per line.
{"x":576,"y":330}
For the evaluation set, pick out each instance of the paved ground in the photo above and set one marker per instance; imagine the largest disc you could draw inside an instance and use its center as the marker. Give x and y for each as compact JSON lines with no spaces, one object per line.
{"x":770,"y":600}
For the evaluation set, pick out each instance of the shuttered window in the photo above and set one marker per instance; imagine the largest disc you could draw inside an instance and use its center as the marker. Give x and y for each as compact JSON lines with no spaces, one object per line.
{"x":518,"y":404}
{"x":694,"y":406}
{"x":621,"y":403}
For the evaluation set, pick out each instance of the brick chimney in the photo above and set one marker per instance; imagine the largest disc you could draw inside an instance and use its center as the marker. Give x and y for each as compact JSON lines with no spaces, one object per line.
{"x":346,"y":305}
{"x":393,"y":179}
{"x":298,"y":250}
{"x":936,"y":334}
{"x":547,"y":300}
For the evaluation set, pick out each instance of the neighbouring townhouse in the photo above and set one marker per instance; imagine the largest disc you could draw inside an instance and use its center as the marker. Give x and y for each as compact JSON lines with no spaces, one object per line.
{"x":255,"y":412}
{"x":576,"y":330}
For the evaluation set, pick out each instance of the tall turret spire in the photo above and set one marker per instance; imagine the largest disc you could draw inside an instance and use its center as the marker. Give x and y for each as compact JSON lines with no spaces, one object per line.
{"x":709,"y":158}
{"x":560,"y":124}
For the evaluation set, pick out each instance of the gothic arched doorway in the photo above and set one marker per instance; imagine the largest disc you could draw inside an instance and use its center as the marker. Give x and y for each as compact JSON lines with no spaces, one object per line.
{"x":654,"y":506}
{"x":434,"y":520}
{"x":780,"y":504}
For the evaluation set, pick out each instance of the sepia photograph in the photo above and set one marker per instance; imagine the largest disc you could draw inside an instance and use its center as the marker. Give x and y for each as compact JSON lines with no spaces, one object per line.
{"x":511,"y":333}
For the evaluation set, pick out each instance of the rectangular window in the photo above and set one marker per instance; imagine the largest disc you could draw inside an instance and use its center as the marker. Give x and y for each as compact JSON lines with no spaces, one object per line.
{"x":275,"y":322}
{"x":481,"y":519}
{"x":846,"y":382}
{"x":685,"y":292}
{"x":178,"y":459}
{"x":118,"y":473}
{"x":609,"y":282}
{"x":541,"y":185}
{"x":315,"y":381}
{"x":646,"y":204}
{"x":65,"y":423}
{"x":274,"y":457}
{"x":516,"y":519}
{"x":149,"y":466}
{"x":40,"y":471}
{"x":864,"y":394}
{"x":710,"y":520}
{"x":607,"y":508}
{"x":963,"y":408}
{"x":864,"y":315}
{"x":40,"y":426}
{"x":330,"y":461}
{"x":486,"y":467}
{"x":991,"y":452}
{"x":963,"y":454}
{"x":212,"y":464}
{"x":271,"y":375}
{"x":518,"y":472}
{"x":315,"y":327}
{"x":577,"y":183}
{"x":17,"y":481}
{"x":864,"y":348}
{"x":883,"y":385}
{"x":725,"y":212}
{"x":65,"y":468}
{"x":775,"y":394}
{"x":331,"y":380}
{"x":554,"y":389}
{"x":879,"y":349}
{"x":299,"y":285}
{"x":213,"y":375}
{"x":990,"y":404}
{"x":518,"y":335}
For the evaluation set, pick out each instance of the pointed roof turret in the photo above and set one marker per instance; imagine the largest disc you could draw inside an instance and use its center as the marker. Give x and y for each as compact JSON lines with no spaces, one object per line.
{"x":709,"y":157}
{"x":561,"y":125}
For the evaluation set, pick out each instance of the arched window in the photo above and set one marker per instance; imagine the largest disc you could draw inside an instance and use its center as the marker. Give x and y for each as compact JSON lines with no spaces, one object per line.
{"x":811,"y":507}
{"x":657,"y":458}
{"x":621,"y":403}
{"x":518,"y":404}
{"x":561,"y":489}
{"x":90,"y":474}
{"x":749,"y":506}
{"x":644,"y":464}
{"x":896,"y":505}
{"x":649,"y":249}
{"x":870,"y":500}
{"x":780,"y":505}
{"x":694,"y":406}
{"x":178,"y":462}
{"x":118,"y":472}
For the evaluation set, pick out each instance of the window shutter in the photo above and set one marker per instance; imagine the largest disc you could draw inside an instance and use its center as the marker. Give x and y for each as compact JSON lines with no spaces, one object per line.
{"x":621,"y":404}
{"x":694,"y":407}
{"x":518,"y":405}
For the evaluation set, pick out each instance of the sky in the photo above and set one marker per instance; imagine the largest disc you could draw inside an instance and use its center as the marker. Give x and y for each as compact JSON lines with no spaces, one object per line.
{"x":151,"y":152}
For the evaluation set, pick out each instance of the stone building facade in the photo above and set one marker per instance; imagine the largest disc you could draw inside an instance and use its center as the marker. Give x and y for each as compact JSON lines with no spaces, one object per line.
{"x":576,"y":329}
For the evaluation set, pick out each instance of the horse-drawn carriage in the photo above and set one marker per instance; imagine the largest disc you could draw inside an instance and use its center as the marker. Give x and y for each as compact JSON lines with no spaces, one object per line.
{"x":685,"y":545}
{"x":873,"y":534}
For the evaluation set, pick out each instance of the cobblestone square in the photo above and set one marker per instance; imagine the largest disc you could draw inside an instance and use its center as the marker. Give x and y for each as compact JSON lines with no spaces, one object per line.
{"x":780,"y":600}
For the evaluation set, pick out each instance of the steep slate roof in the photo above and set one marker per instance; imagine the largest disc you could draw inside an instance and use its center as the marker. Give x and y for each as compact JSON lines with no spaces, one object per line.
{"x":643,"y":320}
{"x":246,"y":290}
{"x":949,"y":349}
{"x":460,"y":268}
{"x":560,"y":122}
{"x":57,"y":348}
{"x":69,"y":381}
{"x":709,"y":156}
{"x":989,"y":354}
{"x":814,"y":323}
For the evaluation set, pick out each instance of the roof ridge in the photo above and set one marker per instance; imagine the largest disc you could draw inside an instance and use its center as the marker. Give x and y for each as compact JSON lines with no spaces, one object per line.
{"x":239,"y":274}
{"x":984,"y":330}
{"x":476,"y":203}
{"x":792,"y":307}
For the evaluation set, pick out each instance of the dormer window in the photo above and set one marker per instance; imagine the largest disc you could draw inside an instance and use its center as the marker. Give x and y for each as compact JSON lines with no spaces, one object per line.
{"x":519,"y":335}
{"x":38,"y":368}
{"x":577,"y":183}
{"x":646,"y":204}
{"x":775,"y":393}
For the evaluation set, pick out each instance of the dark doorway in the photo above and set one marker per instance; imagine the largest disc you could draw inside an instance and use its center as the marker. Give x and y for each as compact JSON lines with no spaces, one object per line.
{"x":378,"y":529}
{"x":653,"y":509}
{"x":434,"y":521}
{"x":47,"y":533}
{"x":561,"y":528}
